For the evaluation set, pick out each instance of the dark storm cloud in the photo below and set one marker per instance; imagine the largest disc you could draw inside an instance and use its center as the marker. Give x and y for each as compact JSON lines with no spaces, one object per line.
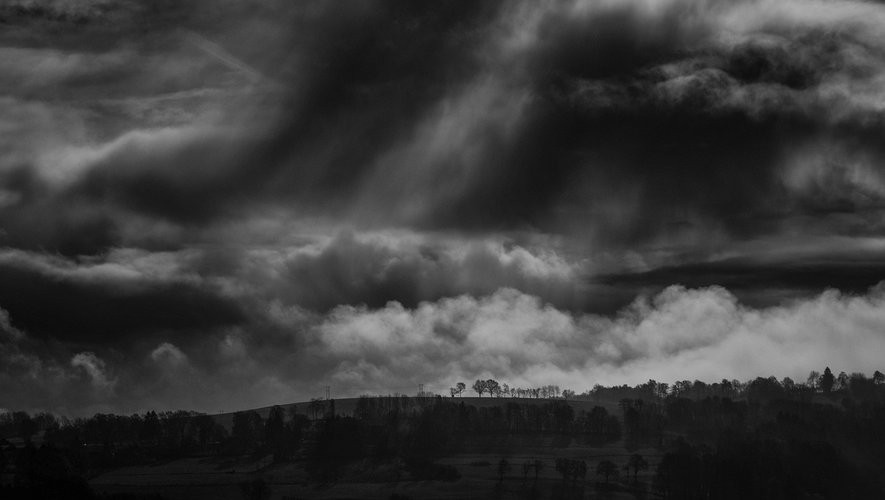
{"x":338,"y":84}
{"x":262,"y":197}
{"x":374,"y":270}
{"x":104,"y":304}
{"x":635,"y":109}
{"x":759,"y":284}
{"x":39,"y":374}
{"x":182,"y":175}
{"x":621,"y":121}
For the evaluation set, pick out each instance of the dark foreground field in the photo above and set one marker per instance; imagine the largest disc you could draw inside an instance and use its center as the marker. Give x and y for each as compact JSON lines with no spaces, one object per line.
{"x":213,"y":478}
{"x":476,"y":463}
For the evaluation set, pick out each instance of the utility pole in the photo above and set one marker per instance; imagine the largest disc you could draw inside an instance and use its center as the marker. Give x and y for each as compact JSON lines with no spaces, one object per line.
{"x":328,"y":392}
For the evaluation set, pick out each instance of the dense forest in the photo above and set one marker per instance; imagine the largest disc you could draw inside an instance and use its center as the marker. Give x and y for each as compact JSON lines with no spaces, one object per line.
{"x":765,"y":438}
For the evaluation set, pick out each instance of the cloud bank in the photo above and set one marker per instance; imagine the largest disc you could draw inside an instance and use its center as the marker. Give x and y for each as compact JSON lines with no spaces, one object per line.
{"x":677,"y":334}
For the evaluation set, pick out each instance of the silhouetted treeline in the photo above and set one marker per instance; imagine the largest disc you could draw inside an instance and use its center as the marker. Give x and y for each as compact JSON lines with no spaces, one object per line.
{"x":855,"y":385}
{"x":496,"y":389}
{"x":762,"y":438}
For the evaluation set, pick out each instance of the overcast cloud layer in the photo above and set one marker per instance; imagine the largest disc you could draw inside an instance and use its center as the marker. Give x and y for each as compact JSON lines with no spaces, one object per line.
{"x":264,"y":198}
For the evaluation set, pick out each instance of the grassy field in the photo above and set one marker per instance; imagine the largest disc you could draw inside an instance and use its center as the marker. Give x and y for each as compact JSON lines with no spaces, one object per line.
{"x":211,"y":478}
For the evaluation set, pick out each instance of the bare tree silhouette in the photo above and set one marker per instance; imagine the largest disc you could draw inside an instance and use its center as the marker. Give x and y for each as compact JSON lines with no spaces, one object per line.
{"x":493,"y":387}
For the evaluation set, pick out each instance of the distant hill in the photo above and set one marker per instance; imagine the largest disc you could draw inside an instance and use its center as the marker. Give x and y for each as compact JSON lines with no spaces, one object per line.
{"x":346,"y":406}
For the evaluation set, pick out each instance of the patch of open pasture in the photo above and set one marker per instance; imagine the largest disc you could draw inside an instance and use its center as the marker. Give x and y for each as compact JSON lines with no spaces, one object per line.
{"x":185,"y":471}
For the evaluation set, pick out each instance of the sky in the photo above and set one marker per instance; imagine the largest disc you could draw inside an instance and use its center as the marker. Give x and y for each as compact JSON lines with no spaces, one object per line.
{"x":217,"y":205}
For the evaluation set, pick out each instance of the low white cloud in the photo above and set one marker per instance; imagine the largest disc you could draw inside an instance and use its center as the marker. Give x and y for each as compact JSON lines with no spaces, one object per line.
{"x":7,"y":331}
{"x":680,"y":333}
{"x":167,"y":355}
{"x":96,"y":369}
